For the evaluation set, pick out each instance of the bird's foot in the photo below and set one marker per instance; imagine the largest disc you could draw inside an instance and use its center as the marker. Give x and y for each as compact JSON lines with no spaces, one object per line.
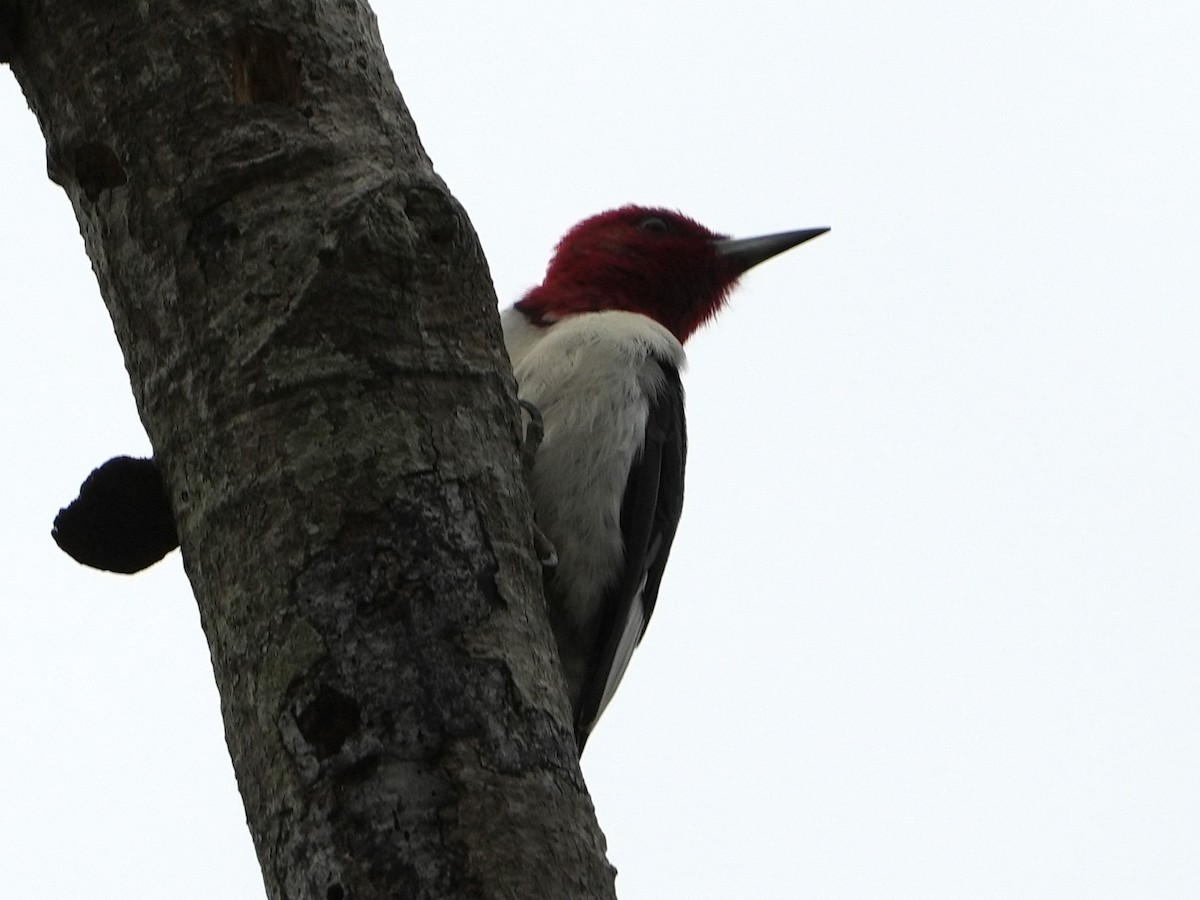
{"x":544,"y":548}
{"x":534,"y":432}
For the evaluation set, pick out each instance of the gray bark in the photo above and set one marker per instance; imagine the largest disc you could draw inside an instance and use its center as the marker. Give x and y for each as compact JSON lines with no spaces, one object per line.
{"x":310,"y":333}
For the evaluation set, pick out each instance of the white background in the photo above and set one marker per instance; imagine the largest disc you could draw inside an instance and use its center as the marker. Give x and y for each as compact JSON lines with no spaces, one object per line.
{"x":931,"y":626}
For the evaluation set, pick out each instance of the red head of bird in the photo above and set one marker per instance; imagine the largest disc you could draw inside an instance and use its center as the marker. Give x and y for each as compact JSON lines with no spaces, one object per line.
{"x":656,"y":262}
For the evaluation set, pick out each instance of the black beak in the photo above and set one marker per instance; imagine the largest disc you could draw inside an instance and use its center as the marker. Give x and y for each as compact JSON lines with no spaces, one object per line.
{"x":746,"y":253}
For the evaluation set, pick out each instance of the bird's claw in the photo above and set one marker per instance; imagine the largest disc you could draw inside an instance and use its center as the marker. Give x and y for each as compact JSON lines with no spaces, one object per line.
{"x":534,"y":432}
{"x":546,"y":553}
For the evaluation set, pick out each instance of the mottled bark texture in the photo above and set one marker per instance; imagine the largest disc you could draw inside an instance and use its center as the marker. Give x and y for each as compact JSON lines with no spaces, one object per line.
{"x":310,"y":332}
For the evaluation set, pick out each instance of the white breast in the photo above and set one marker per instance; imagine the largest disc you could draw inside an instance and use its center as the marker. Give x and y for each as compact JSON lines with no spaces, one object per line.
{"x":591,"y":375}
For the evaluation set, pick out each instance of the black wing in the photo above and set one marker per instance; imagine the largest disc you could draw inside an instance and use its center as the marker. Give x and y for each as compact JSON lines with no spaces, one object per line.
{"x":649,"y":514}
{"x":121,"y":521}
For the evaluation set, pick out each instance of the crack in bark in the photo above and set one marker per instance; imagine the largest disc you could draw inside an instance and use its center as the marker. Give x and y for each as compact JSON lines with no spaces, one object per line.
{"x":263,"y":68}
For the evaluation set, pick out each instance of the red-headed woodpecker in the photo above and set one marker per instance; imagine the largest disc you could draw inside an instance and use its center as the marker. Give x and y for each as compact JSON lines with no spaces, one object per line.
{"x":597,"y":348}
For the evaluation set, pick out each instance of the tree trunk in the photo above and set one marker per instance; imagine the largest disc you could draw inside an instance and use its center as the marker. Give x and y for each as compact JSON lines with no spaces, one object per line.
{"x":310,"y":332}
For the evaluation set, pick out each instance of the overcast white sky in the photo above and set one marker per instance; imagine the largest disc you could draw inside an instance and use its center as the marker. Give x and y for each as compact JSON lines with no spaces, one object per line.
{"x":931,"y":627}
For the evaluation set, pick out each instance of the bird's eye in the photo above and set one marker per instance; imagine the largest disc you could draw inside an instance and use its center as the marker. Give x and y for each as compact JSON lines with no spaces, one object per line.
{"x":654,"y":224}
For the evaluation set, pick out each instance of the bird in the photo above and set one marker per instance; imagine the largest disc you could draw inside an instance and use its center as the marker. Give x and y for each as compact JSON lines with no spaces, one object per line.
{"x":597,"y":351}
